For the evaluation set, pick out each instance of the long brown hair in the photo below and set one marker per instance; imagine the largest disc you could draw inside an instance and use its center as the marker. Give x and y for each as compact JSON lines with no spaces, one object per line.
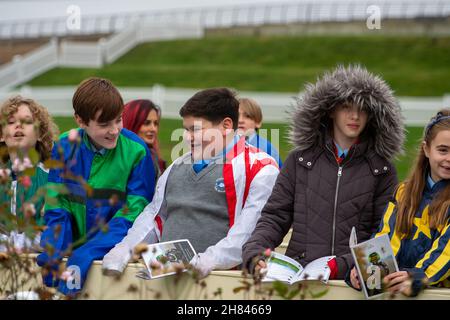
{"x":411,"y":195}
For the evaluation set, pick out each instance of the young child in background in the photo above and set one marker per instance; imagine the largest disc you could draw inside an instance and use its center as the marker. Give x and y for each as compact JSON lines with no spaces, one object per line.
{"x":417,"y":217}
{"x":250,"y":121}
{"x":109,"y":177}
{"x":27,"y":132}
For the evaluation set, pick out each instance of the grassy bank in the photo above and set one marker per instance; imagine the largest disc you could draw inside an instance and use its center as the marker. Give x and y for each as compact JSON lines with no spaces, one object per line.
{"x":413,"y":66}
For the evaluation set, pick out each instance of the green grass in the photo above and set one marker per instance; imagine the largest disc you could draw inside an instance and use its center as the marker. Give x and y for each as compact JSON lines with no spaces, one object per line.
{"x":169,"y":125}
{"x":413,"y":66}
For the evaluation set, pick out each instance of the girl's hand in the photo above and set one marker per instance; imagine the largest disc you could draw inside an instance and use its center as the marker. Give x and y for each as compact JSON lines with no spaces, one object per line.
{"x":398,"y":282}
{"x":354,"y":279}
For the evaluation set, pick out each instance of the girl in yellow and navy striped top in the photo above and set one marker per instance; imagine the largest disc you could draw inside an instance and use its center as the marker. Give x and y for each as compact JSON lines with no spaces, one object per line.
{"x":417,"y":219}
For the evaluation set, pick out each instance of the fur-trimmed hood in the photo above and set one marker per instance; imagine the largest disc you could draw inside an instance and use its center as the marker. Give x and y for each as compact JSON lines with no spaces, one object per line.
{"x":353,"y":84}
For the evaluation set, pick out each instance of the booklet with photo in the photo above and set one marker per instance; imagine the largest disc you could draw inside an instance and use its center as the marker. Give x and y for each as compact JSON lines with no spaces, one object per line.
{"x":168,"y":255}
{"x":285,"y":269}
{"x":374,"y":260}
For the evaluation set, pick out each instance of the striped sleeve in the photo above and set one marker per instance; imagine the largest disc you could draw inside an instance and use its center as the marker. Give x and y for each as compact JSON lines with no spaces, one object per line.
{"x":435,"y":265}
{"x":387,"y":224}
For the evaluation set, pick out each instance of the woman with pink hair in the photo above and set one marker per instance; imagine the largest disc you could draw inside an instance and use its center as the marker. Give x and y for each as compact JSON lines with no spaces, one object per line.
{"x":143,"y":117}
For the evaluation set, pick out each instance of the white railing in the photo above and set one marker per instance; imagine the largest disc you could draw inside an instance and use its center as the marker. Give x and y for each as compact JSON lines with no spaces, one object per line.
{"x":90,"y":54}
{"x":24,"y":68}
{"x":153,"y":31}
{"x":81,"y":54}
{"x":275,"y":106}
{"x":237,"y":15}
{"x":141,"y":31}
{"x":120,"y":43}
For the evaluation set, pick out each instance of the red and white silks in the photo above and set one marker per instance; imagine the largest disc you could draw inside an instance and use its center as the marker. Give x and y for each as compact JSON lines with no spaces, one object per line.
{"x":249,"y":176}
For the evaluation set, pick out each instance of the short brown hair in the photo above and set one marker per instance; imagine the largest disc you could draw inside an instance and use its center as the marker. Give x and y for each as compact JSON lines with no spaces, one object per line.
{"x":251,"y":109}
{"x":45,"y":128}
{"x":94,"y":95}
{"x":213,"y":105}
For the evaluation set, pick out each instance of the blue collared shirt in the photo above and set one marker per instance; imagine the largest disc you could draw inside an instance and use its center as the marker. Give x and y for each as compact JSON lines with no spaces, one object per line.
{"x":251,"y":137}
{"x":430,"y":181}
{"x":341,"y":151}
{"x":101,"y":151}
{"x":199,"y":165}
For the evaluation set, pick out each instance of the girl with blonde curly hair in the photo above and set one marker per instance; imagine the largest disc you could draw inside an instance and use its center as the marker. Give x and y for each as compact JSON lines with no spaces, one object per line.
{"x":26,"y":140}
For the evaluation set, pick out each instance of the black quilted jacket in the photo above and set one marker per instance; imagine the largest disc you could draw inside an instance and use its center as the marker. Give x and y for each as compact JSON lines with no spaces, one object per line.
{"x":322,"y":201}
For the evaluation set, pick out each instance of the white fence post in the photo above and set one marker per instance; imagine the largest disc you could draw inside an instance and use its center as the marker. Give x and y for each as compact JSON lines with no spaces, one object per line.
{"x":17,"y":60}
{"x":158,"y":95}
{"x":103,"y":54}
{"x":446,"y":101}
{"x":26,"y":91}
{"x":55,"y":44}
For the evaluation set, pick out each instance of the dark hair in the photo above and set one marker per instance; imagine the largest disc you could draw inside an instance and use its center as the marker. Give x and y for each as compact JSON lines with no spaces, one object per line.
{"x":213,"y":105}
{"x":96,"y":94}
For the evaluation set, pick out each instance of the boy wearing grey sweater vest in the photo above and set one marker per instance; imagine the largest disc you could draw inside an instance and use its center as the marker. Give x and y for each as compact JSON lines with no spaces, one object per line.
{"x":213,"y":195}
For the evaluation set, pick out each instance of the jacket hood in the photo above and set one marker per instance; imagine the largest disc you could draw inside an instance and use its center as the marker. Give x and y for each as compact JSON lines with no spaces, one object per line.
{"x":353,"y":84}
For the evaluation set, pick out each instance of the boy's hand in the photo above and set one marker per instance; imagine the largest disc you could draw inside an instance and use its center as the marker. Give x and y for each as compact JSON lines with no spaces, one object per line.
{"x":354,"y":279}
{"x":398,"y":282}
{"x":203,"y":265}
{"x":116,"y":259}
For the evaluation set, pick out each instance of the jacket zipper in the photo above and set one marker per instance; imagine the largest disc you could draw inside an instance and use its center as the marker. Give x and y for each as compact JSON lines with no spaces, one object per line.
{"x":339,"y":174}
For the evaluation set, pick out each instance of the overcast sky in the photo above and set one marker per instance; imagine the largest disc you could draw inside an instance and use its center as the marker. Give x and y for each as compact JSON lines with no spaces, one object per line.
{"x":35,"y":9}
